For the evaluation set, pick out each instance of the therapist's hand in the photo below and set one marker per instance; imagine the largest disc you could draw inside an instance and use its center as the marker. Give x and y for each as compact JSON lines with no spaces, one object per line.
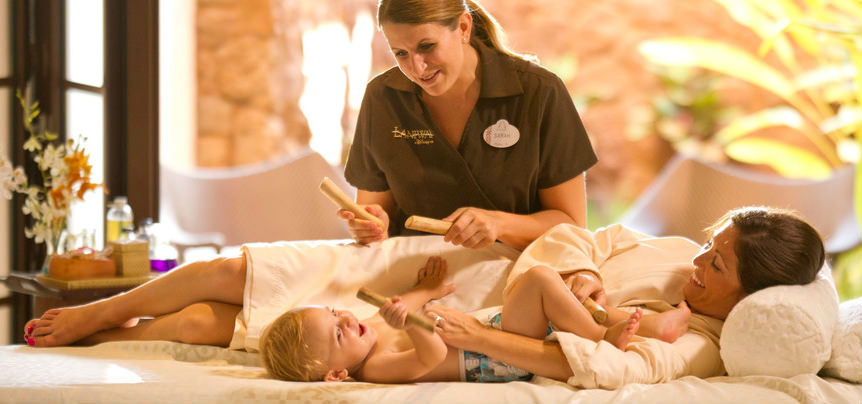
{"x":585,"y":283}
{"x":456,"y":328}
{"x":472,"y":227}
{"x":366,"y":231}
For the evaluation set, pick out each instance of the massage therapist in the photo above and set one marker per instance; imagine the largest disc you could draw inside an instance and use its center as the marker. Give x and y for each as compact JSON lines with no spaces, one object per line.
{"x":466,"y":131}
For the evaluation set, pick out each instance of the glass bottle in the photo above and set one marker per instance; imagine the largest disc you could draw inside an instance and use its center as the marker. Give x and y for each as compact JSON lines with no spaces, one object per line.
{"x":118,"y":218}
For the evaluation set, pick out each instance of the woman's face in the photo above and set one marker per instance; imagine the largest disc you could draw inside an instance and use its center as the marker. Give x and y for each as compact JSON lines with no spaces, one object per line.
{"x":714,"y":286}
{"x":430,"y":55}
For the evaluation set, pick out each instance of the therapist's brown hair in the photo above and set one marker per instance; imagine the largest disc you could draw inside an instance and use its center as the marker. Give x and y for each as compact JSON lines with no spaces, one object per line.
{"x":446,"y":13}
{"x":774,"y":247}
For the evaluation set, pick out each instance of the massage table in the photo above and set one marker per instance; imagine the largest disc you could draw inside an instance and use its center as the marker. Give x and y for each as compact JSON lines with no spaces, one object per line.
{"x":169,"y":372}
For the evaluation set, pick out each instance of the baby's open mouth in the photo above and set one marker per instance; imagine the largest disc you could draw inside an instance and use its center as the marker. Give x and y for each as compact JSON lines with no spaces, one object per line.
{"x":361,"y":330}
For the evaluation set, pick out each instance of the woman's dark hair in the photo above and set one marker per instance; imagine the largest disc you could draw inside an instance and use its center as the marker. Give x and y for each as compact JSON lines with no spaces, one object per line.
{"x":446,"y":13}
{"x":774,"y":247}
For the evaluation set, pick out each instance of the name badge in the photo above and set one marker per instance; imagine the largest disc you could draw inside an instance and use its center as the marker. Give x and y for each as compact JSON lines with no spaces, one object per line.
{"x":501,"y":134}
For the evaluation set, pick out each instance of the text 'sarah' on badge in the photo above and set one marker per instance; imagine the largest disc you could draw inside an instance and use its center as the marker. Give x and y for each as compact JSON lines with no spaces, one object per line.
{"x":501,"y":134}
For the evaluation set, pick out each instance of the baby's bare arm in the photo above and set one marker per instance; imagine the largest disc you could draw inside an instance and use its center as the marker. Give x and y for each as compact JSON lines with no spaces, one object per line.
{"x":427,"y":353}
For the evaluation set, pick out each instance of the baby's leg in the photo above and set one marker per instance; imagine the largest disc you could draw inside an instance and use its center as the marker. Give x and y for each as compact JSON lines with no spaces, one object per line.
{"x":208,"y":323}
{"x":222,"y":280}
{"x":621,"y":333}
{"x":539,"y":296}
{"x":667,"y":326}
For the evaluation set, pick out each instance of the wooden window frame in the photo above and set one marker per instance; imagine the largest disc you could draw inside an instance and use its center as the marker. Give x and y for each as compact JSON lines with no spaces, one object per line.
{"x":130,"y":91}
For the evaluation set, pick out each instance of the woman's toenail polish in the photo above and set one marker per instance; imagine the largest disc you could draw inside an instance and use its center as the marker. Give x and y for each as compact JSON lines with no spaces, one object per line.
{"x":31,"y":341}
{"x":29,"y":330}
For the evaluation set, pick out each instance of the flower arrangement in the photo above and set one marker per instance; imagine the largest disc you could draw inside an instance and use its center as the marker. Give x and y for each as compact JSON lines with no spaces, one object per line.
{"x":65,"y":172}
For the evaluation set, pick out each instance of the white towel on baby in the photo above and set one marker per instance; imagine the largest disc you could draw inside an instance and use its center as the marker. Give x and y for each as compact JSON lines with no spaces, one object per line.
{"x":284,"y":275}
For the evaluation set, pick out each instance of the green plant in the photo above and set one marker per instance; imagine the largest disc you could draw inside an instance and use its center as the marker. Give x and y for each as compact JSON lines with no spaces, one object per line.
{"x":847,"y":270}
{"x":816,"y":48}
{"x":686,"y":111}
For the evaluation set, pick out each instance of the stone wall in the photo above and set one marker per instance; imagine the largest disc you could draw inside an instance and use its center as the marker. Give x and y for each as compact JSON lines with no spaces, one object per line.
{"x":250,"y":77}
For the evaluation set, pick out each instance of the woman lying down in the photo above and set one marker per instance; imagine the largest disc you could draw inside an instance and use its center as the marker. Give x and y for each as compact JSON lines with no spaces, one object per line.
{"x":749,"y":249}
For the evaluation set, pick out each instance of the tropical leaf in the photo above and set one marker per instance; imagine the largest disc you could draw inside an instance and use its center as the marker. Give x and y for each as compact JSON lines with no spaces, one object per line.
{"x":718,"y":56}
{"x":851,"y":8}
{"x":789,"y":11}
{"x":823,"y":75}
{"x":787,"y":160}
{"x":778,"y":116}
{"x":768,"y":28}
{"x":726,"y":59}
{"x":847,"y":116}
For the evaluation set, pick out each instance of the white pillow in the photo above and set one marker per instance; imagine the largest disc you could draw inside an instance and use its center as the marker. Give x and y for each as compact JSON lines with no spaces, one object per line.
{"x":781,"y":330}
{"x":846,"y":360}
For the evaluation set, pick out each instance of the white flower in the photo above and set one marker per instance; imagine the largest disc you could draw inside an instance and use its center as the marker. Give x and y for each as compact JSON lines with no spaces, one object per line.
{"x":20,"y":178}
{"x":32,"y":144}
{"x":52,"y":159}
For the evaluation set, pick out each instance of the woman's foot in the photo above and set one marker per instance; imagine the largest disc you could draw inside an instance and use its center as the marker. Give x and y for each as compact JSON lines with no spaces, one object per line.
{"x":672,"y":324}
{"x":64,"y":326}
{"x":621,"y":333}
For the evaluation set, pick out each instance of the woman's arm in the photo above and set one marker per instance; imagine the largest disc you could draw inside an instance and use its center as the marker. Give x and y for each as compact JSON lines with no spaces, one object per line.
{"x":536,"y":356}
{"x":379,"y":204}
{"x":478,"y":228}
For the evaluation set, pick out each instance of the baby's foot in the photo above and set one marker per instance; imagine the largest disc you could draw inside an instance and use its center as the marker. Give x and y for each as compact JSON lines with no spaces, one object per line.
{"x":621,"y":333}
{"x":431,"y":278}
{"x":672,"y":324}
{"x":64,"y":326}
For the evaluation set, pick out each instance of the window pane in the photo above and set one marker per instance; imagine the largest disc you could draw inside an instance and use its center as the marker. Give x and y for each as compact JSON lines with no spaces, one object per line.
{"x":84,"y":42}
{"x":84,"y":123}
{"x":5,"y":38}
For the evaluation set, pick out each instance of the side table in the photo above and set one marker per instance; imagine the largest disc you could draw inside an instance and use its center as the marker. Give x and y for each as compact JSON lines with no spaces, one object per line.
{"x":48,"y":295}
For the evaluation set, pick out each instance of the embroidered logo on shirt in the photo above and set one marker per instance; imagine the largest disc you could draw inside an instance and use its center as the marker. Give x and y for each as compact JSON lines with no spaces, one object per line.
{"x":417,"y":136}
{"x":501,"y":134}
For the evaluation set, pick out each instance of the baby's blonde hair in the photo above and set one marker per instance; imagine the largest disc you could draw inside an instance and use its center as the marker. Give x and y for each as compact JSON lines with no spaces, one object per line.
{"x":285,"y":353}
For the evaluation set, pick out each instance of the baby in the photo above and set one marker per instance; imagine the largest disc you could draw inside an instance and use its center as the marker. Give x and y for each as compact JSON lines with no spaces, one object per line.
{"x":317,"y":343}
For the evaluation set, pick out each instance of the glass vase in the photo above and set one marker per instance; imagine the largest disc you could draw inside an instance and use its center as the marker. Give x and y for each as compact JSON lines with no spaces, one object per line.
{"x":53,"y":246}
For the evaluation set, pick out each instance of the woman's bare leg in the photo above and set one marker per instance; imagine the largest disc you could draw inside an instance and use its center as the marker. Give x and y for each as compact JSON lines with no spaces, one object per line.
{"x":221,"y":280}
{"x":209,"y":323}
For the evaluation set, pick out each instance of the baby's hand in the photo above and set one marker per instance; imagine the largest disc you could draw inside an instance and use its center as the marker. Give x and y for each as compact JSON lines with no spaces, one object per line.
{"x":431,"y":278}
{"x":395,"y":313}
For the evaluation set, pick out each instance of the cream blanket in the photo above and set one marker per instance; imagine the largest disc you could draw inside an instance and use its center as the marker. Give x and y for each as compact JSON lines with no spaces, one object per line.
{"x":285,"y":275}
{"x":637,"y":270}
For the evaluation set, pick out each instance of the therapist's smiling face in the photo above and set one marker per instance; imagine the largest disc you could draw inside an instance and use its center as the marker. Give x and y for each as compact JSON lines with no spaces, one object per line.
{"x":714,"y":287}
{"x":430,"y":55}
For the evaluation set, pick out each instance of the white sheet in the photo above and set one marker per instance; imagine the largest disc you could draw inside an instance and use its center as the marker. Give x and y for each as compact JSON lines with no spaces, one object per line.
{"x":166,"y":372}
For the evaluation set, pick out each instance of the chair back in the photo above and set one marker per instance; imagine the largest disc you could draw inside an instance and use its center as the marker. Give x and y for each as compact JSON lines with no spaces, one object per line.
{"x":271,"y":201}
{"x":689,"y":194}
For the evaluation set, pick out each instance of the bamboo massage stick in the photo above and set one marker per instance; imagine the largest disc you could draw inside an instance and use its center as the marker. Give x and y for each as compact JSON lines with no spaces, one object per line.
{"x":379,"y":300}
{"x":337,"y":196}
{"x":427,"y":224}
{"x":599,"y":313}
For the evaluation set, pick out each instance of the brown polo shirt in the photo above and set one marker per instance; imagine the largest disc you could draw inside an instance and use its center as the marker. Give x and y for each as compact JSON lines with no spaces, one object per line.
{"x":523,"y":135}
